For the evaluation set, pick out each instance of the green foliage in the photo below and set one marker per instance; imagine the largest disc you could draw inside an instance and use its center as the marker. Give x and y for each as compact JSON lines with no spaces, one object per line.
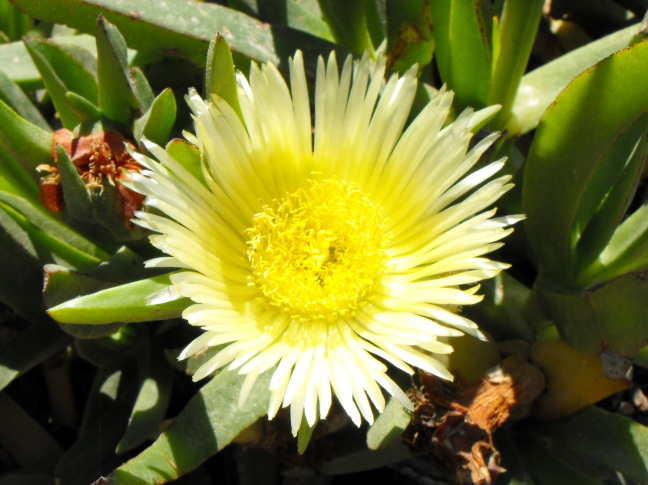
{"x":117,"y":101}
{"x":581,"y":175}
{"x":210,"y":421}
{"x":220,"y":78}
{"x":74,"y":278}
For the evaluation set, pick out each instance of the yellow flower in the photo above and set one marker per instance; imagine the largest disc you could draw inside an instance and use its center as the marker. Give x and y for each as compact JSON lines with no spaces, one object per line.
{"x":325,"y":255}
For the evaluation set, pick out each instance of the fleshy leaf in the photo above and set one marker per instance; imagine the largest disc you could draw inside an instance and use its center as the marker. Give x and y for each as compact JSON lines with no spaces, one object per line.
{"x":611,"y":195}
{"x":25,"y":142}
{"x":33,"y":345}
{"x":388,"y":426}
{"x":157,"y":122}
{"x":125,"y":303}
{"x":568,"y":149}
{"x":608,"y":316}
{"x":104,"y":421}
{"x":61,"y":73}
{"x":539,"y":88}
{"x":304,"y":435}
{"x":17,"y":100}
{"x":116,"y":98}
{"x":62,"y":285}
{"x":154,"y":391}
{"x":517,"y":31}
{"x":141,"y":88}
{"x":83,"y":109}
{"x":23,"y":437}
{"x":304,"y":16}
{"x":409,"y":34}
{"x":188,"y":155}
{"x":182,"y":29}
{"x":348,"y":23}
{"x":77,"y":197}
{"x":52,"y":240}
{"x":18,"y":66}
{"x":220,"y":76}
{"x":14,"y":179}
{"x":615,"y":440}
{"x":21,"y":291}
{"x":210,"y":421}
{"x":549,"y":468}
{"x":462,"y":32}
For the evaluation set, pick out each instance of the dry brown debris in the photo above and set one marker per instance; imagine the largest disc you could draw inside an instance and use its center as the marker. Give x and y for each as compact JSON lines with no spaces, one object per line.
{"x":455,"y":428}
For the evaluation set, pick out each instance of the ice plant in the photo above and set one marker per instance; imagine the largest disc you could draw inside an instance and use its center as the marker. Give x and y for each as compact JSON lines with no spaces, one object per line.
{"x":326,"y":254}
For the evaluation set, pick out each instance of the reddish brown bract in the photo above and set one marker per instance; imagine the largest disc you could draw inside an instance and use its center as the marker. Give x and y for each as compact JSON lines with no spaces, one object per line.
{"x":99,"y":157}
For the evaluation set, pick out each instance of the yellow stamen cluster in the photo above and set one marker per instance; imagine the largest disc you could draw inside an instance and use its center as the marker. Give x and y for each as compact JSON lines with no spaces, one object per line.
{"x":315,"y":253}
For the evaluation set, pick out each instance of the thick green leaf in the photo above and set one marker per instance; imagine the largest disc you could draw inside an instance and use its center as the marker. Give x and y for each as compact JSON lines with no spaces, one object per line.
{"x":540,"y":87}
{"x":210,"y":421}
{"x":155,"y":381}
{"x":14,"y":179}
{"x":220,"y":75}
{"x":462,"y":31}
{"x":52,"y":240}
{"x":517,"y":30}
{"x":409,"y":34}
{"x":610,"y":316}
{"x":628,"y":248}
{"x":25,"y":142}
{"x":13,"y":23}
{"x":389,"y":425}
{"x":123,"y":266}
{"x":570,"y":144}
{"x":17,"y":100}
{"x":62,"y":72}
{"x":77,"y":197}
{"x":83,"y":109}
{"x":141,"y":88}
{"x":34,"y":344}
{"x":62,"y":285}
{"x":18,"y":66}
{"x":23,"y":437}
{"x":304,"y":435}
{"x":364,"y":460}
{"x":117,"y":100}
{"x":547,"y":468}
{"x":615,"y":440}
{"x":23,"y":278}
{"x":102,"y":350}
{"x":610,"y":195}
{"x":188,"y":155}
{"x":348,"y":23}
{"x":157,"y":122}
{"x":297,"y":14}
{"x":104,"y":421}
{"x":126,"y":303}
{"x":181,"y":28}
{"x":55,"y":87}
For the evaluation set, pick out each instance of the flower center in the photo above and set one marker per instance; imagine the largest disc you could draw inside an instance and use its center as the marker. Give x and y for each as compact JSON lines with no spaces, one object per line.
{"x":316,"y":252}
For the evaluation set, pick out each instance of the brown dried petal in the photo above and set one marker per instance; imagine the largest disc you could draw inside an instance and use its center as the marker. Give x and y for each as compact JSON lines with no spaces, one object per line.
{"x":460,"y":437}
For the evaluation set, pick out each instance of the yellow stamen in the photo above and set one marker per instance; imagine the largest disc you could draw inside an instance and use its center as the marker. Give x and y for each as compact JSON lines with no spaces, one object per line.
{"x":315,"y":253}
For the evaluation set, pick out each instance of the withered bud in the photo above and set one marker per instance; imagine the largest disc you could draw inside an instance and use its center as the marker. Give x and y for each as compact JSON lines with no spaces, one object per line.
{"x":99,"y":157}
